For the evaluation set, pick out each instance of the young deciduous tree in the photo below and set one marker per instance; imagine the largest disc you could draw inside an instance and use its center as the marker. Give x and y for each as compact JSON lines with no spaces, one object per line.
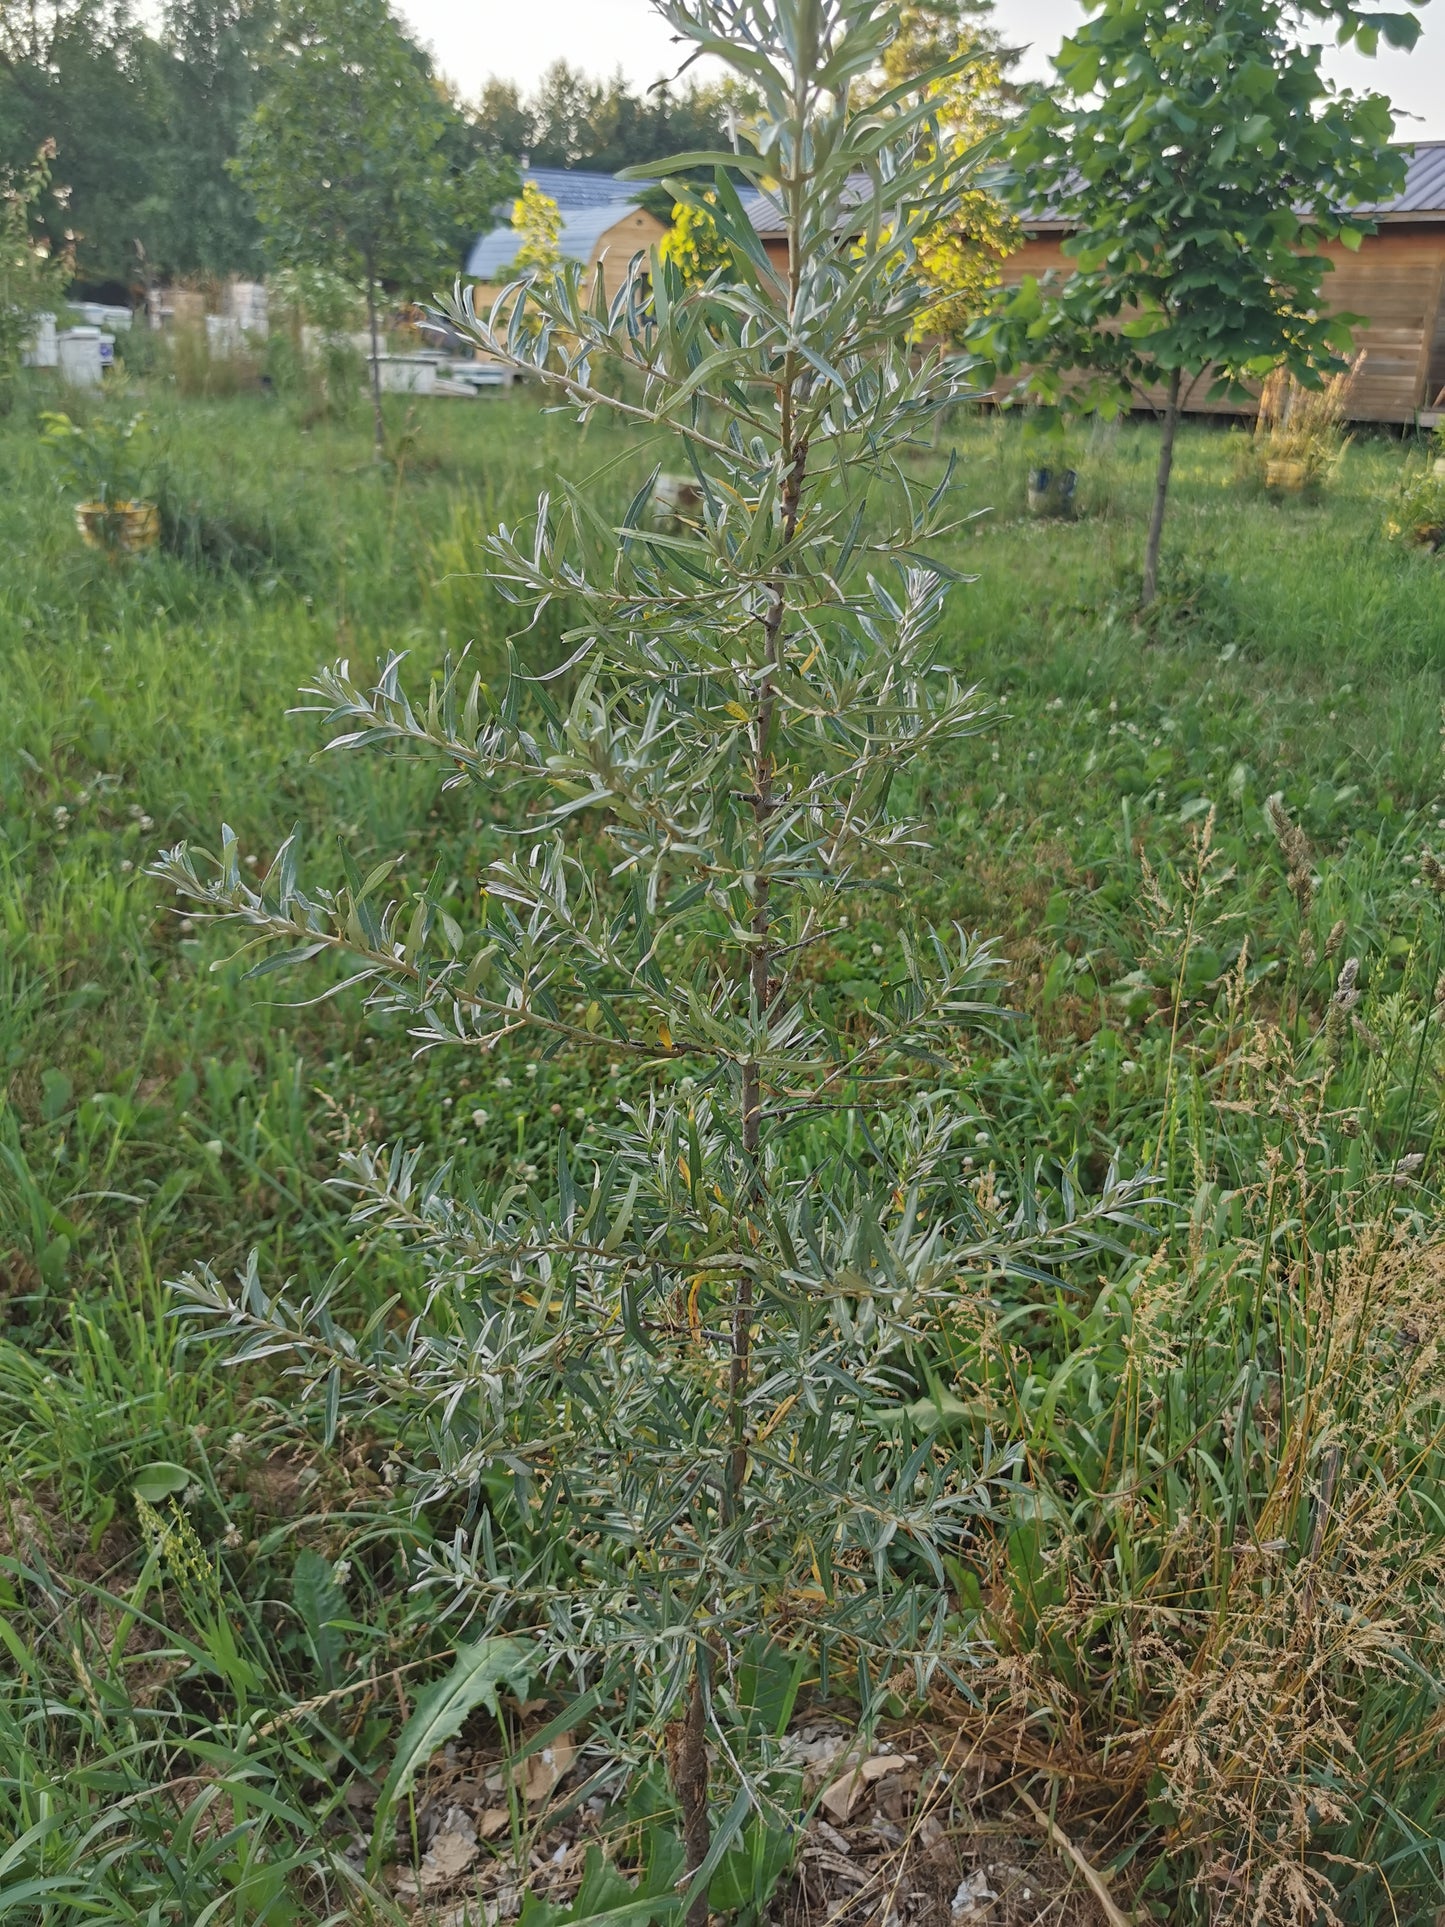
{"x":1202,"y":159}
{"x":346,"y":157}
{"x":697,"y":1381}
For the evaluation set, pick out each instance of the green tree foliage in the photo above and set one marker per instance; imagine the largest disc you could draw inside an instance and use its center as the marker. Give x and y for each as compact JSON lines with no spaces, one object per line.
{"x":214,"y":51}
{"x":572,"y":121}
{"x":83,"y":75}
{"x":144,"y":125}
{"x":147,"y":114}
{"x":687,"y":1383}
{"x":32,"y":274}
{"x":347,"y":160}
{"x":480,"y":179}
{"x":503,"y":120}
{"x":933,"y":34}
{"x":950,"y":49}
{"x":1203,"y":158}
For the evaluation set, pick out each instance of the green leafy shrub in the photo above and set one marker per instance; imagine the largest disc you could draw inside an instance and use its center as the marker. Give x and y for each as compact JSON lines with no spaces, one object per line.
{"x":110,"y":459}
{"x":1417,"y":513}
{"x":311,"y":359}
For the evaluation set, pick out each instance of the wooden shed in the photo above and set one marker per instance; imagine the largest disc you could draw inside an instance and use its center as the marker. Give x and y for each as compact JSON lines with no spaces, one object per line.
{"x":634,"y":232}
{"x":1396,"y":279}
{"x":601,"y":226}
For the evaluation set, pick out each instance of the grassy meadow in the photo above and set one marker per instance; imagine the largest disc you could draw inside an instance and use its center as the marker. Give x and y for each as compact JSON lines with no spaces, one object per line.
{"x":1211,"y":1625}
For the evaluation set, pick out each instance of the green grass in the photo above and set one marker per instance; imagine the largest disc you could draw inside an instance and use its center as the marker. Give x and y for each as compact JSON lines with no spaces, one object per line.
{"x":157,"y":1109}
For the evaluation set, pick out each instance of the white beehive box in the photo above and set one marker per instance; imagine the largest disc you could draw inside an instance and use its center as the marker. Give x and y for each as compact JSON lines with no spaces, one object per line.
{"x":407,"y":374}
{"x":44,"y":351}
{"x":78,"y":357}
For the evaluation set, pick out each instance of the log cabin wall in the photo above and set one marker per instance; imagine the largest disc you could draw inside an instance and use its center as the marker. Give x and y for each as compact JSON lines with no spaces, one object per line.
{"x":636,"y":233}
{"x":1396,"y":279}
{"x":1435,"y":382}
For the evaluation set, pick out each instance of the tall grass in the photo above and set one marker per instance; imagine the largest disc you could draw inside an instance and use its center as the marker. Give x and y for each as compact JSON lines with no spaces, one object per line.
{"x":1214,"y":1601}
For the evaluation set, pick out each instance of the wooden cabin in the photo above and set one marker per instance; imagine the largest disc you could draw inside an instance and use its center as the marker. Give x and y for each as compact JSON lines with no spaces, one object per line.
{"x":635,"y":231}
{"x":1396,"y":279}
{"x":602,"y":226}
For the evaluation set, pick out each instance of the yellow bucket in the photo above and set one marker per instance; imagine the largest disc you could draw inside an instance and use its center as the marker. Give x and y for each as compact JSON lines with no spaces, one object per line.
{"x":118,"y":527}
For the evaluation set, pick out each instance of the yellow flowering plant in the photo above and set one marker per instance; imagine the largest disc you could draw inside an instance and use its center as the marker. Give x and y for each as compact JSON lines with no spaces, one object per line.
{"x":537,"y":220}
{"x":693,"y":244}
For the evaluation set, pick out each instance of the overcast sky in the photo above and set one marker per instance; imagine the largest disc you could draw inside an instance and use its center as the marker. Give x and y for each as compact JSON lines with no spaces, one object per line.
{"x":516,"y":39}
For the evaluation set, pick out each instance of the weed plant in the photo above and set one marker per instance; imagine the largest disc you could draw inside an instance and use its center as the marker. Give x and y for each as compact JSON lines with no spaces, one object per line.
{"x":1418,"y":512}
{"x":1299,"y":432}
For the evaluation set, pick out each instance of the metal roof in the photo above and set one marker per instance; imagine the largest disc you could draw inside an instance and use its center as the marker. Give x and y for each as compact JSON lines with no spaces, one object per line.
{"x":576,"y":187}
{"x":591,"y":203}
{"x":765,"y":213}
{"x":588,"y":203}
{"x":765,"y":210}
{"x":1424,"y":189}
{"x":1421,"y":199}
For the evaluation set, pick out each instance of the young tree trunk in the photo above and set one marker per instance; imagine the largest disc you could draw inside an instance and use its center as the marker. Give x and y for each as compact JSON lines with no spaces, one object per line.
{"x":378,"y":425}
{"x":689,"y":1781}
{"x":1161,"y":491}
{"x":688,"y":1759}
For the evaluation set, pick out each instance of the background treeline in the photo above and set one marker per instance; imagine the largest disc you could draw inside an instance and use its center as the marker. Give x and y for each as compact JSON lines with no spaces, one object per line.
{"x":571,"y":121}
{"x":144,"y":123}
{"x":147,"y":114}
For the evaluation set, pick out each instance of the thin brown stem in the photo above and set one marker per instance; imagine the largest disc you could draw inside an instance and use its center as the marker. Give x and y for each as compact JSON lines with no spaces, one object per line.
{"x":689,"y":1782}
{"x":377,"y":420}
{"x":760,"y":983}
{"x":1161,"y":490}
